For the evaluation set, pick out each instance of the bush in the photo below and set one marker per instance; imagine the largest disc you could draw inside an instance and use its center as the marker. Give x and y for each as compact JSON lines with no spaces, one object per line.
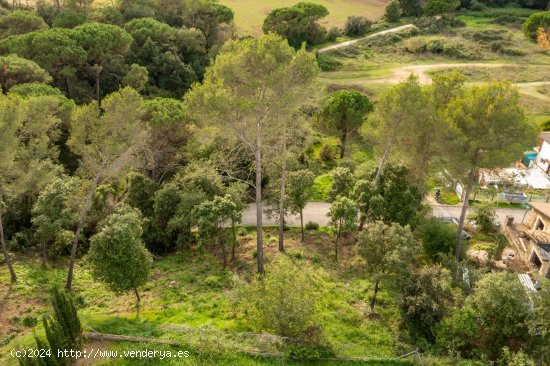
{"x":534,"y":22}
{"x":356,"y":26}
{"x":327,"y":152}
{"x":312,"y":226}
{"x":484,"y":217}
{"x":392,"y":12}
{"x":281,"y":302}
{"x":327,"y":63}
{"x":310,"y":344}
{"x":438,"y":7}
{"x":477,"y":6}
{"x":333,"y":33}
{"x":437,"y":237}
{"x":435,"y":45}
{"x":69,"y":19}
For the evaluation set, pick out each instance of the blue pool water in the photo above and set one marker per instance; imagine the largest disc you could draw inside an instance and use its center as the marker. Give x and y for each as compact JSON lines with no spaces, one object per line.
{"x":528,"y":158}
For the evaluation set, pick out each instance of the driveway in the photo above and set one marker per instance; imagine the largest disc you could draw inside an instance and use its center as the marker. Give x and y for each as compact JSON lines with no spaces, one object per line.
{"x":317,"y":212}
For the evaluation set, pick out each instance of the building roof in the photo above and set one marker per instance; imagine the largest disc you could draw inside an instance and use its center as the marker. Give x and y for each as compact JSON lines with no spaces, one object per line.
{"x":541,"y":207}
{"x":545,"y":136}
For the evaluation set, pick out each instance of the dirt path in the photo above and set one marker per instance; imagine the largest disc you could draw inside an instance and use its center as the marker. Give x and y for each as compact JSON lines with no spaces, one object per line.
{"x":401,"y":73}
{"x":353,"y":41}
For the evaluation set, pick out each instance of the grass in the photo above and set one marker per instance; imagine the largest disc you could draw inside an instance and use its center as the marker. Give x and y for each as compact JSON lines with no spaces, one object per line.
{"x":249,"y":16}
{"x":514,"y":74}
{"x":196,"y":292}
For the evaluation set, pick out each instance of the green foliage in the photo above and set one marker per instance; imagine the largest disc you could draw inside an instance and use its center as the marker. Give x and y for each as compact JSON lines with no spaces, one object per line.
{"x":392,"y":11}
{"x":56,"y":211}
{"x":539,"y":325}
{"x":343,"y":113}
{"x":516,"y":358}
{"x":439,"y":7}
{"x":356,"y":26}
{"x":16,"y":70}
{"x":332,"y":34}
{"x":140,"y":193}
{"x":299,"y":189}
{"x":136,"y":78}
{"x":312,"y":225}
{"x":437,"y":237}
{"x":343,"y":218}
{"x":534,"y":22}
{"x":282,"y":302}
{"x":20,"y":22}
{"x":212,"y":217}
{"x":69,"y":19}
{"x":327,"y":63}
{"x":117,"y":254}
{"x":426,"y":297}
{"x":66,"y":316}
{"x":484,"y":216}
{"x":342,"y":183}
{"x":297,"y":24}
{"x":411,"y":8}
{"x":498,"y":298}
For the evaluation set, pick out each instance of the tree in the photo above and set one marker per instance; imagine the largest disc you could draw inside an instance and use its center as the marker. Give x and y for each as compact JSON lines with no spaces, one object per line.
{"x":539,"y":324}
{"x":20,"y":22}
{"x":117,"y":254}
{"x":105,"y":142}
{"x":343,"y":113}
{"x":392,"y":11}
{"x":437,"y":237}
{"x":105,"y":44}
{"x":238,"y":193}
{"x":53,"y":212}
{"x":343,"y":217}
{"x":543,"y":38}
{"x":169,"y":133}
{"x":397,"y":108}
{"x":484,"y":216}
{"x":535,"y":21}
{"x":69,"y":19}
{"x":9,"y":124}
{"x":297,"y":24}
{"x":244,"y":91}
{"x":388,"y":251}
{"x":356,"y":26}
{"x":426,"y":297}
{"x":410,"y":8}
{"x":439,"y":7}
{"x":16,"y":70}
{"x":136,"y":78}
{"x":490,"y":131}
{"x":498,"y":298}
{"x":342,"y":183}
{"x":211,"y":218}
{"x":299,"y":192}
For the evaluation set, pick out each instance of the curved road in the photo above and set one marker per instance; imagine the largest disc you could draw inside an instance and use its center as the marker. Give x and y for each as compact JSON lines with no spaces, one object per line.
{"x":317,"y":212}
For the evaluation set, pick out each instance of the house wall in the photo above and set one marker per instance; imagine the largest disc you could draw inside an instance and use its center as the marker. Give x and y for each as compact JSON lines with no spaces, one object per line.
{"x":544,"y":154}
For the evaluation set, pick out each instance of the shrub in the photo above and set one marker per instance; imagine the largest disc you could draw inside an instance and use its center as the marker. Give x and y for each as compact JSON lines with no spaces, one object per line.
{"x":327,"y":152}
{"x":392,"y":12}
{"x":213,"y":282}
{"x":484,"y":217}
{"x":281,"y":302}
{"x":333,"y":33}
{"x":415,"y":45}
{"x":535,"y":21}
{"x":356,"y":26}
{"x":438,"y":7}
{"x":69,"y":19}
{"x":310,"y":344}
{"x":477,"y":6}
{"x":312,"y":226}
{"x":327,"y":63}
{"x":437,"y":237}
{"x":435,"y":45}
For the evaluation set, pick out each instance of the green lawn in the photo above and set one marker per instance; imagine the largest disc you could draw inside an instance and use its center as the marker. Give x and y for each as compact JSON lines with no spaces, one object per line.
{"x":250,"y":14}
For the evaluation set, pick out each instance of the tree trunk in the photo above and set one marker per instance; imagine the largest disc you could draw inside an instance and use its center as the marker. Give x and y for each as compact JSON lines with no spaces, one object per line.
{"x":362,"y":221}
{"x":302,"y":224}
{"x":259,"y":211}
{"x":138,"y":298}
{"x":83,"y":214}
{"x":376,"y":288}
{"x":5,"y":250}
{"x":465,"y":205}
{"x":282,"y":196}
{"x":382,"y":164}
{"x":97,"y":69}
{"x":336,"y":244}
{"x":343,"y":139}
{"x":44,"y":253}
{"x":69,"y":88}
{"x":234,"y":231}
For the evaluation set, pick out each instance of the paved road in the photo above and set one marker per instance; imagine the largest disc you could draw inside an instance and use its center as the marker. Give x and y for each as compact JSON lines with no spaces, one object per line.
{"x":353,"y":41}
{"x":317,"y":212}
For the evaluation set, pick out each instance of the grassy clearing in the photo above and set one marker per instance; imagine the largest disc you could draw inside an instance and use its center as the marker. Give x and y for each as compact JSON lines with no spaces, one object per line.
{"x":249,"y":16}
{"x":195,"y":292}
{"x":514,"y":74}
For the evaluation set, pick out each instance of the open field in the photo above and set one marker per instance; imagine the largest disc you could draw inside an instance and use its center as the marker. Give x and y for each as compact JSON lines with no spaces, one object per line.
{"x":249,"y":15}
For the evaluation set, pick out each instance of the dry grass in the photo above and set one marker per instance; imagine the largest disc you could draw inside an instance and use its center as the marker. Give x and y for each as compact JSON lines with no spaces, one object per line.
{"x":250,"y":14}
